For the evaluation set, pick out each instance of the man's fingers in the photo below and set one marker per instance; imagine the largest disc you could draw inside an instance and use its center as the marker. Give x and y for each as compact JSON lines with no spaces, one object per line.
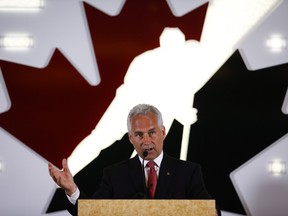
{"x":65,"y":165}
{"x":53,"y":172}
{"x":51,"y":169}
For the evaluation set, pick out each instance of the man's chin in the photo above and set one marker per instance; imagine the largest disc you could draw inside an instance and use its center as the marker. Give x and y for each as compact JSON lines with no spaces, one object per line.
{"x":151,"y":155}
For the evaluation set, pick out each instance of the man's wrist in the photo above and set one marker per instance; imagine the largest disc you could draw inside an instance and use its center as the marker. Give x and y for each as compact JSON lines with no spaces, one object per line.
{"x":71,"y":192}
{"x":73,"y":198}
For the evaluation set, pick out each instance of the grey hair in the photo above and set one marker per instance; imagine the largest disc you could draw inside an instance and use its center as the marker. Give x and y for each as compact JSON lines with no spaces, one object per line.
{"x":143,"y":109}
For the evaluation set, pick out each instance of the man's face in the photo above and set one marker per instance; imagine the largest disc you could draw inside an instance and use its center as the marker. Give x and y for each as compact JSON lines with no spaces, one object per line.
{"x":146,"y":134}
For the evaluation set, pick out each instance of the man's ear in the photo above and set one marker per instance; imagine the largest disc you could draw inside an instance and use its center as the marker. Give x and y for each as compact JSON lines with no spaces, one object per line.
{"x":130,"y":137}
{"x":164,"y":131}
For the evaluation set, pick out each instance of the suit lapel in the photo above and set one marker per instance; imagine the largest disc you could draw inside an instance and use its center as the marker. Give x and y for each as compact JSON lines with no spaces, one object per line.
{"x":167,"y":170}
{"x":136,"y":175}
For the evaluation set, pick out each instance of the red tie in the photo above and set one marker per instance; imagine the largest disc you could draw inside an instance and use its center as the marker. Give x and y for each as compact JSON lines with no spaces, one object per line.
{"x":152,"y":179}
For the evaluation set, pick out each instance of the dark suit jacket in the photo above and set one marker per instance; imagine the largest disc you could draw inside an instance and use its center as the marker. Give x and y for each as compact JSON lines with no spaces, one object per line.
{"x":177,"y":180}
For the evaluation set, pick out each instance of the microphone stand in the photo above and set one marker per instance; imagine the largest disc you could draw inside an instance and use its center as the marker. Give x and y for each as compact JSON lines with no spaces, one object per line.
{"x":145,"y":153}
{"x":141,"y":195}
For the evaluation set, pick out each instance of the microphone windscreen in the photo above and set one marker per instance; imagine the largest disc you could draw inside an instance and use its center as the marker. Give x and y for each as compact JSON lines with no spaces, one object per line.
{"x":145,"y":153}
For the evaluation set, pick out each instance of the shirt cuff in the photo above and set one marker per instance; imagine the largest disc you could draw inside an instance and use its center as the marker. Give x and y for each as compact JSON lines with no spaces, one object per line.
{"x":73,"y":198}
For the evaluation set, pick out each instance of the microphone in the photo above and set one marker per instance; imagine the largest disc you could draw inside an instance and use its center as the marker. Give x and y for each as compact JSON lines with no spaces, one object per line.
{"x":145,"y":153}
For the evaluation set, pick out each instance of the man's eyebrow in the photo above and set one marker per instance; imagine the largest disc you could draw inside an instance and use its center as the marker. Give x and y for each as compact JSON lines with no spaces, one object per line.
{"x":149,"y":130}
{"x":152,"y":129}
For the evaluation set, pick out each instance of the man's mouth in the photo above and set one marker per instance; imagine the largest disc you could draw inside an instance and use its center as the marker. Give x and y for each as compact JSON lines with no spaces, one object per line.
{"x":148,"y":149}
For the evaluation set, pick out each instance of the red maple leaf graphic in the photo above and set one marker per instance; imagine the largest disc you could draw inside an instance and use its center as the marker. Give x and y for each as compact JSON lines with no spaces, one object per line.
{"x":54,"y":108}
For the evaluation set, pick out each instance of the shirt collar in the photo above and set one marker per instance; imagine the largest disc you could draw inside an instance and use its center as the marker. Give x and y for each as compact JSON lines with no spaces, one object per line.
{"x":157,"y":160}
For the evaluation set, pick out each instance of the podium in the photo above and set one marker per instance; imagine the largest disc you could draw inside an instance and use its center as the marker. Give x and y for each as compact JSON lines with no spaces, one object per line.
{"x":145,"y":207}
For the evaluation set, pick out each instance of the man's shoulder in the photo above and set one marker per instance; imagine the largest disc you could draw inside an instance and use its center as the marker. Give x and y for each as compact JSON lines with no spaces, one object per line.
{"x":180,"y":162}
{"x":123,"y":163}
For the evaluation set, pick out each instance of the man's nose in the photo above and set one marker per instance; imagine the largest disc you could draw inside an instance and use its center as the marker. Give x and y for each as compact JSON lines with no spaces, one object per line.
{"x":146,"y":138}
